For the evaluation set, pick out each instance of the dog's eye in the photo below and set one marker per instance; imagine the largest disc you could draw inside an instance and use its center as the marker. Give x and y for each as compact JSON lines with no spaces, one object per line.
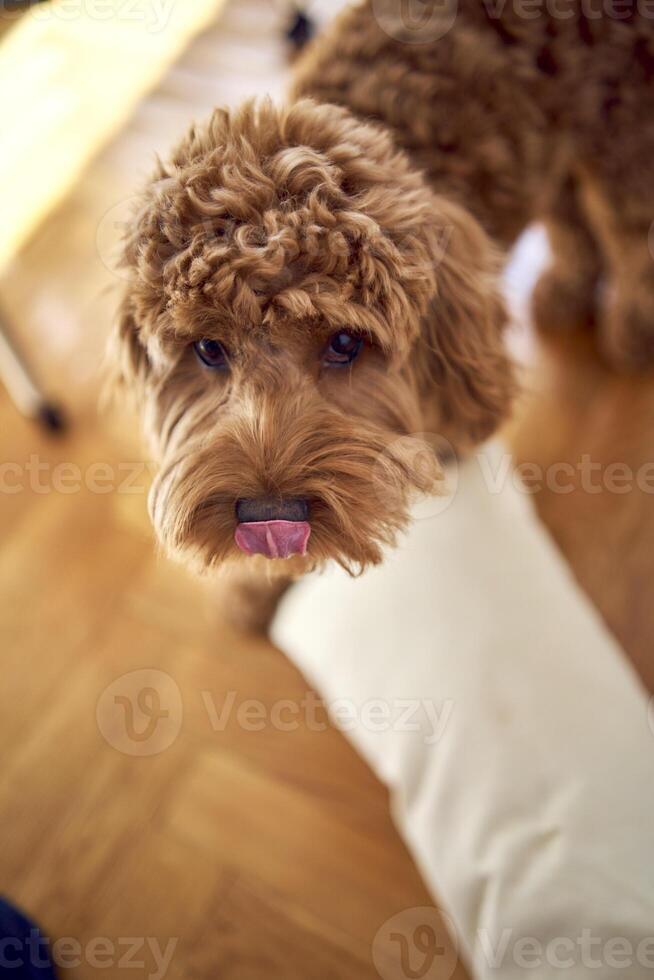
{"x":211,"y":353}
{"x":343,"y":348}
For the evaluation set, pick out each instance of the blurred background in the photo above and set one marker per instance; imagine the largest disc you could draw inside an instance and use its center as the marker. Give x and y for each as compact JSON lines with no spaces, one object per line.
{"x":257,"y":849}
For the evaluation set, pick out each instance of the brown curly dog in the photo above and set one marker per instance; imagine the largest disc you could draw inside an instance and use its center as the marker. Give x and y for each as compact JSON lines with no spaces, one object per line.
{"x":311,"y":285}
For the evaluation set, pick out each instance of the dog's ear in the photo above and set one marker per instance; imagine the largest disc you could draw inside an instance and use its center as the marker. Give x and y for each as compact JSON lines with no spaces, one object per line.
{"x":127,"y":364}
{"x":464,"y":372}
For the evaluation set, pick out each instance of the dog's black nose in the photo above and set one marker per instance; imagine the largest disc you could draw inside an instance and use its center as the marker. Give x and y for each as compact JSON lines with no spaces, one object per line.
{"x":257,"y":509}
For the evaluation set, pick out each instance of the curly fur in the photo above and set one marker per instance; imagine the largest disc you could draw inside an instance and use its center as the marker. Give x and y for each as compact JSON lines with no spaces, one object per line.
{"x":366,"y":204}
{"x":523,"y":110}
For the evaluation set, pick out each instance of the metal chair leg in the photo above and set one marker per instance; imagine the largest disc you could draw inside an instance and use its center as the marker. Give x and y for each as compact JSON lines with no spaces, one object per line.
{"x":23,"y":389}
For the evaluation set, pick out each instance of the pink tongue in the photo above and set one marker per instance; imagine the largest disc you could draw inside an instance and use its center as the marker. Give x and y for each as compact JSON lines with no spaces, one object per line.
{"x":275,"y":539}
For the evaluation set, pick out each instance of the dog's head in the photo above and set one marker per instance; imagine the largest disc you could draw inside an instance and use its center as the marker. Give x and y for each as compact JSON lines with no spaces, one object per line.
{"x":299,"y":303}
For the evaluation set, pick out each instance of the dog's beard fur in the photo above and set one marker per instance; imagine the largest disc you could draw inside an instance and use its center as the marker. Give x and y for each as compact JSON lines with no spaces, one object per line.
{"x":270,"y":230}
{"x":279,"y":435}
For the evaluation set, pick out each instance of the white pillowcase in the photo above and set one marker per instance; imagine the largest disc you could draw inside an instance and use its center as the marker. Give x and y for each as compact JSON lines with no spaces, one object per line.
{"x":482,"y":687}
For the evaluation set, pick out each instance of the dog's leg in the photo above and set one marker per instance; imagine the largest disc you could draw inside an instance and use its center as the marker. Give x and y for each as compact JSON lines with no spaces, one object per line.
{"x":247,"y":601}
{"x":622,"y":218}
{"x":565,"y":297}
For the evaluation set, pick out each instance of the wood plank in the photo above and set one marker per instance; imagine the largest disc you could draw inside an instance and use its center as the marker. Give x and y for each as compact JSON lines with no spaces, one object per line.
{"x":590,"y":434}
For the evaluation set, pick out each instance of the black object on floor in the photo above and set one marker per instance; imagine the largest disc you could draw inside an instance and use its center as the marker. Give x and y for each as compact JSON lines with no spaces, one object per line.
{"x":301,"y":30}
{"x":23,"y":947}
{"x":51,"y":417}
{"x":26,"y":392}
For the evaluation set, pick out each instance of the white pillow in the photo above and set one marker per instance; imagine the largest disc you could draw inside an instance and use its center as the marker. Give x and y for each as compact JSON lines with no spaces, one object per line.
{"x":526,"y":788}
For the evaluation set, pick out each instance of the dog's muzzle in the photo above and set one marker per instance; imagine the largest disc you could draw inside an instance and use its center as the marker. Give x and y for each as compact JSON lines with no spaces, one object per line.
{"x":274,"y":527}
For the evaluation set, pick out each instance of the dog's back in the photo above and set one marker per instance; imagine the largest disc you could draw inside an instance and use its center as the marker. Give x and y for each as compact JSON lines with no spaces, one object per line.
{"x":522,"y":111}
{"x":492,"y":99}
